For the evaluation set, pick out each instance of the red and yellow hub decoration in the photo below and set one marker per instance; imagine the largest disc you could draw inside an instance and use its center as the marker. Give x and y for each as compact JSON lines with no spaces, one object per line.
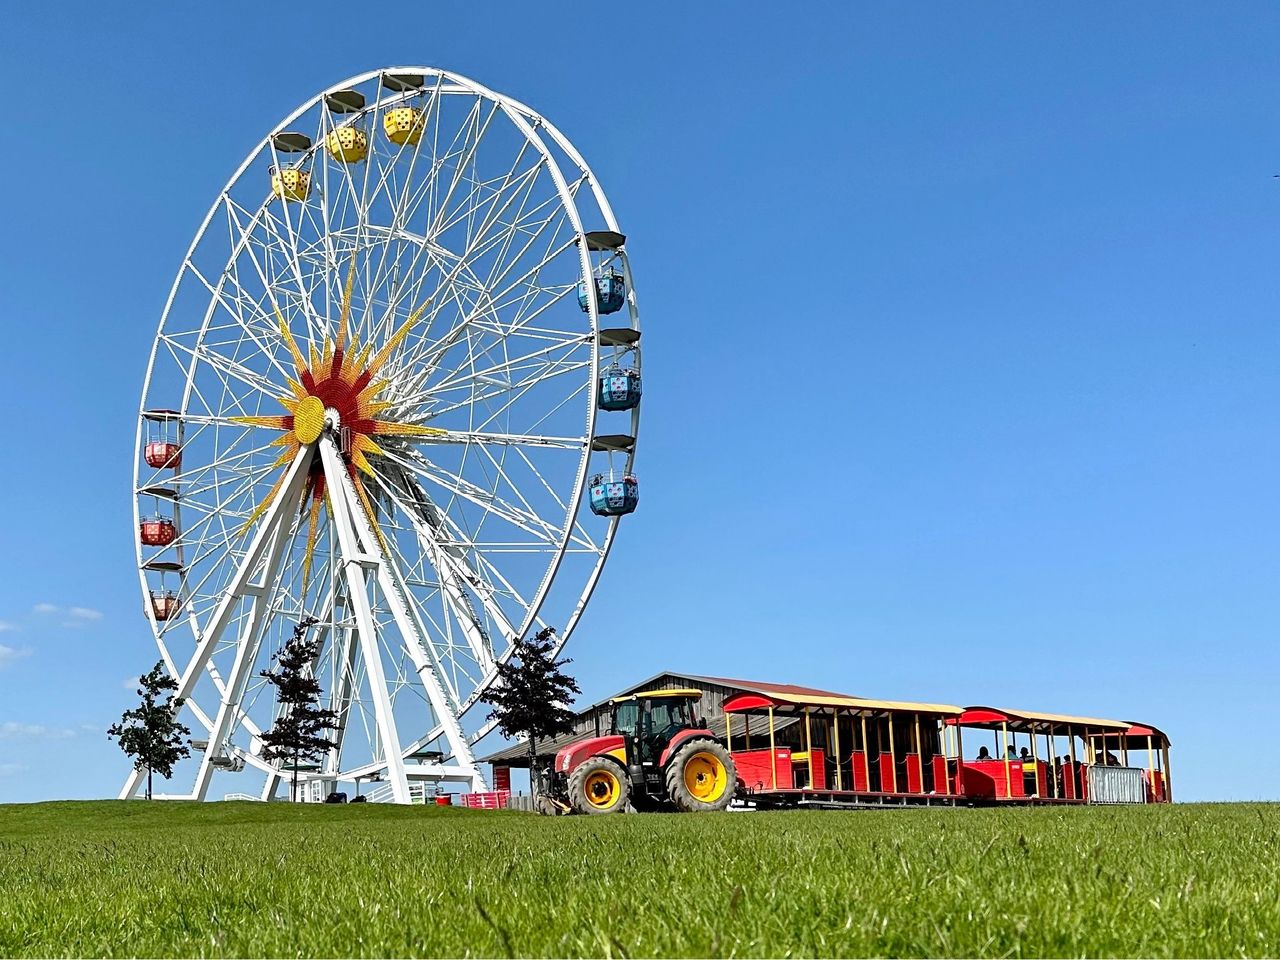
{"x":340,"y":382}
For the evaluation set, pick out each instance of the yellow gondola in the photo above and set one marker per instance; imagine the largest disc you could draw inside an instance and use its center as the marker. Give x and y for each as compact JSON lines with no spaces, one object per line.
{"x":290,"y":183}
{"x":404,"y":125}
{"x":347,"y":144}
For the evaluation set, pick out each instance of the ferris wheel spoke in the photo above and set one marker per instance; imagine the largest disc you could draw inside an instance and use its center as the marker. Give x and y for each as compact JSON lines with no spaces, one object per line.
{"x":519,"y":183}
{"x":478,"y":247}
{"x":226,"y":368}
{"x":532,"y":362}
{"x":481,"y":388}
{"x":487,"y":242}
{"x":404,"y":205}
{"x":444,"y":343}
{"x":505,"y":439}
{"x":453,"y":574}
{"x":236,"y":313}
{"x":530,"y":523}
{"x":473,"y":133}
{"x":287,"y":249}
{"x":509,"y":398}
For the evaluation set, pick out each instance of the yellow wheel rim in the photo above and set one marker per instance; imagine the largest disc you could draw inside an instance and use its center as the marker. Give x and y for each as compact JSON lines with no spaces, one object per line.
{"x":705,"y":777}
{"x":602,"y":789}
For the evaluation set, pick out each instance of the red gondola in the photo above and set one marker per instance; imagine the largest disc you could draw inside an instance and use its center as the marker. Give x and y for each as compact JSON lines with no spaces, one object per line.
{"x":164,"y":604}
{"x":163,"y":455}
{"x":157,"y":532}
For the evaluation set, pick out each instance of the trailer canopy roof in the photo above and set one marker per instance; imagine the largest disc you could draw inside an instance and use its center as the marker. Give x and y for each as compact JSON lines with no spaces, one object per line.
{"x":995,"y":716}
{"x":764,"y":698}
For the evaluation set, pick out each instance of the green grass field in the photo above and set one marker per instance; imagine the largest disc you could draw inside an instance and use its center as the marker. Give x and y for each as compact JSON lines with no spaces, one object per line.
{"x":232,"y":879}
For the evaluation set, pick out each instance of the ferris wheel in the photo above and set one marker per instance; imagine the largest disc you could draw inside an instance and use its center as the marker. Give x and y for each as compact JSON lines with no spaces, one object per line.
{"x":396,"y":389}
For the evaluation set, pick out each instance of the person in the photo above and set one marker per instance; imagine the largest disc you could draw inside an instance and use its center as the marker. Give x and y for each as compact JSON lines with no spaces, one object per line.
{"x":1111,"y":760}
{"x":983,"y":754}
{"x":1025,"y":756}
{"x":1010,"y":753}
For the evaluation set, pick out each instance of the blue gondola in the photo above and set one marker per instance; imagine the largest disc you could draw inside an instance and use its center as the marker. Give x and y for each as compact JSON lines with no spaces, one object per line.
{"x":619,"y":389}
{"x":611,"y":293}
{"x":613,"y":498}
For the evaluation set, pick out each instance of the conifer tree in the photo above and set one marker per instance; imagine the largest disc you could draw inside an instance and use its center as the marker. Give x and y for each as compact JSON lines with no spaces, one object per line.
{"x":298,"y":733}
{"x":150,"y":733}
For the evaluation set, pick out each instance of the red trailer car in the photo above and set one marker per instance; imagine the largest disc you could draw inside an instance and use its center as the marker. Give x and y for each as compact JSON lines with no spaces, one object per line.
{"x":794,"y":746}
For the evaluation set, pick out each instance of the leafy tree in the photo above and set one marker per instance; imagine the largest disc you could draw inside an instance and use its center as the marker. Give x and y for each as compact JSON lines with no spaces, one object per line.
{"x":298,"y":731}
{"x":150,"y":733}
{"x":531,"y":695}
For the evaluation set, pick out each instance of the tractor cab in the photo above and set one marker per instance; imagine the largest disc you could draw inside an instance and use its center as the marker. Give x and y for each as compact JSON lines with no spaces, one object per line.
{"x":648,"y":721}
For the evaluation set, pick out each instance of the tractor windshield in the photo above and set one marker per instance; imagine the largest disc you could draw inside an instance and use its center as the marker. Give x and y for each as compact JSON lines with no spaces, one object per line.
{"x":668,"y":717}
{"x":626,"y":718}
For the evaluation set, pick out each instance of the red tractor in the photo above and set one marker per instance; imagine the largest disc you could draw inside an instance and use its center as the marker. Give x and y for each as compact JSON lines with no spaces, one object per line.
{"x":656,"y":754}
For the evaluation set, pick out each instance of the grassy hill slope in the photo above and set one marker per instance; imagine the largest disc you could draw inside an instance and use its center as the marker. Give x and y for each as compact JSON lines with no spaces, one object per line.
{"x":229,"y":879}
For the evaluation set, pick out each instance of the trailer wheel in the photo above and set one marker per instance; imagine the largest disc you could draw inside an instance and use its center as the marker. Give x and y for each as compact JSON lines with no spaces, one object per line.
{"x":701,"y":777}
{"x":599,"y":786}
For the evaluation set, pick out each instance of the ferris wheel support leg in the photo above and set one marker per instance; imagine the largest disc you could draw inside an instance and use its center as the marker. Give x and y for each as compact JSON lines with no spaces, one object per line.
{"x":354,"y":563}
{"x":391,"y":582}
{"x":238,"y":588}
{"x":445,"y":712}
{"x":261,"y":591}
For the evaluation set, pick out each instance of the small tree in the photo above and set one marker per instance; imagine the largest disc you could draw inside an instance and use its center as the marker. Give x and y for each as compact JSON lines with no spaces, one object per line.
{"x":298,"y":731}
{"x":150,"y":733}
{"x":531,"y":695}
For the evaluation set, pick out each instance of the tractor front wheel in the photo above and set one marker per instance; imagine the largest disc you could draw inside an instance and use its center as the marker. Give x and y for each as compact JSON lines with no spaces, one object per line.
{"x":599,"y":786}
{"x":701,"y":777}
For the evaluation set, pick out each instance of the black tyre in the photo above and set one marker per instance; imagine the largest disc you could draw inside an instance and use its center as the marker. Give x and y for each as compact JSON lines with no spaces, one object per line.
{"x":701,"y":777}
{"x":599,"y":786}
{"x":546,"y":806}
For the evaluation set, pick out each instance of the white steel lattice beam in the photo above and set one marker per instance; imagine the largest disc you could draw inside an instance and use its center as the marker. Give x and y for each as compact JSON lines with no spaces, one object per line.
{"x":355,"y":563}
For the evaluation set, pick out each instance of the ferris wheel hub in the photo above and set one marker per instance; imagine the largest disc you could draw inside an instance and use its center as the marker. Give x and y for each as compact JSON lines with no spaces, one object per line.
{"x":309,"y":419}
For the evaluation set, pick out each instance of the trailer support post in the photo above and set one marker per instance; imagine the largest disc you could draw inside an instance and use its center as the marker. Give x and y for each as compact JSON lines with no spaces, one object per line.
{"x":1008,"y":771}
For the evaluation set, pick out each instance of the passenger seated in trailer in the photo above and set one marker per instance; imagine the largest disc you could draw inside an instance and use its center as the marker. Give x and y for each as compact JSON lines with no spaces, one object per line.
{"x":1111,"y":760}
{"x":1010,"y":753}
{"x":983,"y":753}
{"x":1025,"y":755}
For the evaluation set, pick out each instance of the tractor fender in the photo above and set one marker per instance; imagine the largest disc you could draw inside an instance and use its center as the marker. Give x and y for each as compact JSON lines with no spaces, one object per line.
{"x":680,"y":738}
{"x":568,"y":758}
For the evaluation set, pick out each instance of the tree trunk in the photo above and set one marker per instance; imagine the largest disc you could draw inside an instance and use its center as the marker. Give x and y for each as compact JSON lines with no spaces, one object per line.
{"x":148,"y":781}
{"x":533,"y":771}
{"x":295,"y":776}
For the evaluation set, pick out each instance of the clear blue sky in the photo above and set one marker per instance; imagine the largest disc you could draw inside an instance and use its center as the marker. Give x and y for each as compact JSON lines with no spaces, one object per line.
{"x":961,"y":340}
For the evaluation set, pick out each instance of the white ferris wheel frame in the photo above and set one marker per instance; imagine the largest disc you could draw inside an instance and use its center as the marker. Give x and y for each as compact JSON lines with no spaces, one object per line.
{"x":360,"y":555}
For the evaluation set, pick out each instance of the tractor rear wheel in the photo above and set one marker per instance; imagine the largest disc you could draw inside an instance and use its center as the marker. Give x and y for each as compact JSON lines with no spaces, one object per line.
{"x":701,"y":776}
{"x":599,"y":786}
